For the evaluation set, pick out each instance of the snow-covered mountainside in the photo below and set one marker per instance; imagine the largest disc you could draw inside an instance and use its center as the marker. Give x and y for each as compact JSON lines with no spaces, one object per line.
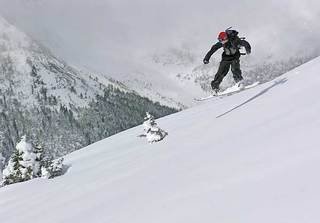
{"x":247,"y":158}
{"x":31,"y":74}
{"x":54,"y":104}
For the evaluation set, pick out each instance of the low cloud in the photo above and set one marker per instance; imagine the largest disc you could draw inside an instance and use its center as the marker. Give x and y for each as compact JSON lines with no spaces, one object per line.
{"x":95,"y":31}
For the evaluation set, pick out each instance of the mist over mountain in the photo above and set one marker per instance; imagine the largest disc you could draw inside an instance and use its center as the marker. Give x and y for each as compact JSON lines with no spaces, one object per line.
{"x":116,"y":31}
{"x":132,"y":40}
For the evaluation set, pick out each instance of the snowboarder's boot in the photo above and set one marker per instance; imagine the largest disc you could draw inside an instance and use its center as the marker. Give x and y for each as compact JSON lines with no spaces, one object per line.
{"x":215,"y":87}
{"x":240,"y":84}
{"x":215,"y":91}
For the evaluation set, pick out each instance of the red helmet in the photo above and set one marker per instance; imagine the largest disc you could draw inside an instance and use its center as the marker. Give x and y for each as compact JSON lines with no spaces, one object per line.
{"x":222,"y":36}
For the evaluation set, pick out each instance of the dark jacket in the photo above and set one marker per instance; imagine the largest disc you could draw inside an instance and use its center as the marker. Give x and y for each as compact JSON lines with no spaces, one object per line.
{"x":231,"y":49}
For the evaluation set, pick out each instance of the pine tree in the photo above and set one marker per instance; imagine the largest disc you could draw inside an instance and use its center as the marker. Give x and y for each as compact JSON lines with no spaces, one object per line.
{"x":151,"y":130}
{"x":12,"y":173}
{"x":29,"y":159}
{"x":52,"y":168}
{"x":22,"y":165}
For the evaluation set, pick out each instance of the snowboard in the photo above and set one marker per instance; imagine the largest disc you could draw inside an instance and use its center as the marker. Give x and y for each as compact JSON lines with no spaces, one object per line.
{"x":229,"y":91}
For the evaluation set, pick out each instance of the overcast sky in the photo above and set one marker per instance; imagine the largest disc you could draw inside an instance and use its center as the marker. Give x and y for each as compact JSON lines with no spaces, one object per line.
{"x":91,"y":32}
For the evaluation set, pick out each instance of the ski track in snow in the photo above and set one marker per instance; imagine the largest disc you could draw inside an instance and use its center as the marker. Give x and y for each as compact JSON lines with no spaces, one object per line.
{"x":251,"y":157}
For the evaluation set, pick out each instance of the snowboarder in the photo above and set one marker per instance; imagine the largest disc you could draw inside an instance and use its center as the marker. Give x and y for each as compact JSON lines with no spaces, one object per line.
{"x":231,"y":44}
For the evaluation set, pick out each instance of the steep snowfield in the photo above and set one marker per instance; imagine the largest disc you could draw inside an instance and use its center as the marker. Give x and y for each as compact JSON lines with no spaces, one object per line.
{"x":251,"y":157}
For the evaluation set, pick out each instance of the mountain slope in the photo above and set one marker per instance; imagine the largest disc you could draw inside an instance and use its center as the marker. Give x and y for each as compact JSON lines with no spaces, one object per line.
{"x":251,"y":157}
{"x":55,"y":104}
{"x":31,"y":74}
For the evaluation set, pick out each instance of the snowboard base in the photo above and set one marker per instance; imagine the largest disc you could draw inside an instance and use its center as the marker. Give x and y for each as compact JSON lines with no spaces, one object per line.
{"x":229,"y":91}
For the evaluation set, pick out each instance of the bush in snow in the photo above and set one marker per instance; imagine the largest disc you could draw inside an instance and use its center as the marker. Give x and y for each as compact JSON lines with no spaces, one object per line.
{"x":27,"y":162}
{"x":151,"y":130}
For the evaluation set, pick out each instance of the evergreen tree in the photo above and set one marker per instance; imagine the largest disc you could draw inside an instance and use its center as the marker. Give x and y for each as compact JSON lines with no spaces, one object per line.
{"x":52,"y":168}
{"x":12,"y":173}
{"x":28,"y":162}
{"x":151,"y":130}
{"x":22,"y":165}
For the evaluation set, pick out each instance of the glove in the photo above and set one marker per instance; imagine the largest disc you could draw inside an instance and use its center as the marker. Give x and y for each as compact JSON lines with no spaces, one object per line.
{"x":205,"y":61}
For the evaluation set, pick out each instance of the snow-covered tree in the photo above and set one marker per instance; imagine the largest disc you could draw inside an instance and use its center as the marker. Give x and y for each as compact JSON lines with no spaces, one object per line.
{"x":28,"y":162}
{"x":48,"y":167}
{"x":52,"y":168}
{"x":151,"y":130}
{"x":13,"y":172}
{"x":23,"y":164}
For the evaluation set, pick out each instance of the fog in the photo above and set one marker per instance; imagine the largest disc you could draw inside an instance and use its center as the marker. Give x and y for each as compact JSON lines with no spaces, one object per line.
{"x":107,"y":35}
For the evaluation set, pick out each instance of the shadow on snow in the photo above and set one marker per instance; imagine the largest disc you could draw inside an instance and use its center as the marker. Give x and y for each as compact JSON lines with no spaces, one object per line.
{"x":276,"y":83}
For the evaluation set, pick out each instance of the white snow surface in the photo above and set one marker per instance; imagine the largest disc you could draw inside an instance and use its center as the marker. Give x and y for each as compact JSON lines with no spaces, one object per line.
{"x":251,"y":157}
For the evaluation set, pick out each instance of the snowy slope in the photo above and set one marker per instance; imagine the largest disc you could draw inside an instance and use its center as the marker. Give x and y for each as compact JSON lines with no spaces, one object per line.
{"x":251,"y":157}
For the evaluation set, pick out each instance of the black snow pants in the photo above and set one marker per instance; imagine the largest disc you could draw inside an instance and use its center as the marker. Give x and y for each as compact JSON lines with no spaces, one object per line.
{"x":223,"y":70}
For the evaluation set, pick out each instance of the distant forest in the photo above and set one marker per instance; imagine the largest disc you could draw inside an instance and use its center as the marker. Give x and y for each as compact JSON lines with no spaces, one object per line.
{"x":61,"y":131}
